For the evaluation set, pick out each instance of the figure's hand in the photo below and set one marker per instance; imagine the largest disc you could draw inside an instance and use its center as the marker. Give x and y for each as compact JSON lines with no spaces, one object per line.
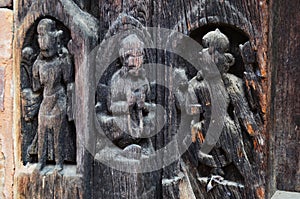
{"x":31,"y":111}
{"x":141,"y":101}
{"x":140,"y":97}
{"x":131,"y":100}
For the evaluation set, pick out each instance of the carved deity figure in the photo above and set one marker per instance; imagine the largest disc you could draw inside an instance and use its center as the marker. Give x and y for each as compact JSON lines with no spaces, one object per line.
{"x":217,"y":45}
{"x":51,"y":75}
{"x":238,"y":118}
{"x":228,"y":162}
{"x":128,"y":106}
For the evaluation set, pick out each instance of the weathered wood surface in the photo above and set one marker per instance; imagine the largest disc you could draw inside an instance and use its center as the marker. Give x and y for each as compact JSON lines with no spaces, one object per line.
{"x":240,"y":21}
{"x":83,"y":29}
{"x":190,"y":16}
{"x":50,"y":184}
{"x":284,"y":49}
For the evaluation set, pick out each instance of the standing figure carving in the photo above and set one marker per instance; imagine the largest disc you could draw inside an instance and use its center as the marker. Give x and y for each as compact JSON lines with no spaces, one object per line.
{"x":238,"y":121}
{"x":52,"y":76}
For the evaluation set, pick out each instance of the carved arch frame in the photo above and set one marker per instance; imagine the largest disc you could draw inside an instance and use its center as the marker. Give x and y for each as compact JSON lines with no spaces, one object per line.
{"x":77,"y":22}
{"x":194,"y":21}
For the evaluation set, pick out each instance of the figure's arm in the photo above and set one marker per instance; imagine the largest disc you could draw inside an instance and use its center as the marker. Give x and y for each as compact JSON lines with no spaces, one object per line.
{"x":36,"y":84}
{"x":70,"y":101}
{"x":120,"y":98}
{"x":68,"y":79}
{"x":117,"y":105}
{"x":242,"y":110}
{"x":102,"y":98}
{"x":67,"y":65}
{"x":193,"y":104}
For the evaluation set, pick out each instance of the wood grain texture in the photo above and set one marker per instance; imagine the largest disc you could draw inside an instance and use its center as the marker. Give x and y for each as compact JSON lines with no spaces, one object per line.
{"x":51,"y":185}
{"x":2,"y":72}
{"x":83,"y":29}
{"x":241,"y":21}
{"x":285,"y":104}
{"x":196,"y":18}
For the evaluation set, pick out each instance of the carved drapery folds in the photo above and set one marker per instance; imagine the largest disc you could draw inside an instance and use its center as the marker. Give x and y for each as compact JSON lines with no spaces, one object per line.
{"x":229,"y":164}
{"x":47,"y":81}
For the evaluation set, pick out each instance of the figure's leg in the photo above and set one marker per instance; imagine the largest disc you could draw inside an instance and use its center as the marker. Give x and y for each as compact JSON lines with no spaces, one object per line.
{"x":32,"y":148}
{"x":59,"y":130}
{"x":42,"y":142}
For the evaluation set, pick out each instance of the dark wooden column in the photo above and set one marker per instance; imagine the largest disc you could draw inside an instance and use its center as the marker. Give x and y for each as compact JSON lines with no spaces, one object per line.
{"x":284,"y":51}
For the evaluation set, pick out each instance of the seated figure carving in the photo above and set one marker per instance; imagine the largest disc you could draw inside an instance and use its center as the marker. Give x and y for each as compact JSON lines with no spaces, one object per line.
{"x":127,"y":116}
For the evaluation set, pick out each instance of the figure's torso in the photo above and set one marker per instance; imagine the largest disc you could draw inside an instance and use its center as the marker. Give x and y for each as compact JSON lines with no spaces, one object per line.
{"x":51,"y":75}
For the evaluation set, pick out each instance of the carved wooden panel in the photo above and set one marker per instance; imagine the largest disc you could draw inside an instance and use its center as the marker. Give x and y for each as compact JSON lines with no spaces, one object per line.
{"x":62,"y":104}
{"x":69,"y":37}
{"x":47,"y":73}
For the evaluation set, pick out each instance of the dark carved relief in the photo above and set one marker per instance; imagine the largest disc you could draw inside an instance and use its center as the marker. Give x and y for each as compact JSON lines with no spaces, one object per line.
{"x":47,"y":81}
{"x":124,"y":111}
{"x":229,"y":163}
{"x":126,"y":99}
{"x":138,"y":9}
{"x":128,"y":111}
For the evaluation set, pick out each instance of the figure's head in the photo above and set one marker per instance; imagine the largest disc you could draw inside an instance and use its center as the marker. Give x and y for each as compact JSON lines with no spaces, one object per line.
{"x":27,"y":53}
{"x":215,"y":40}
{"x":132,"y":54}
{"x":218,"y":45}
{"x":47,"y":37}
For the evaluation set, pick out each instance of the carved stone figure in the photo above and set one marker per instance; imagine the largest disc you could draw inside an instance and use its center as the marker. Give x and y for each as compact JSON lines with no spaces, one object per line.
{"x":52,"y":74}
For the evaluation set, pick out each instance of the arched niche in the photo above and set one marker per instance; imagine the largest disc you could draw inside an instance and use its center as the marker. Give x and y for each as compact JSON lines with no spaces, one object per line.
{"x":32,"y":100}
{"x":76,"y":24}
